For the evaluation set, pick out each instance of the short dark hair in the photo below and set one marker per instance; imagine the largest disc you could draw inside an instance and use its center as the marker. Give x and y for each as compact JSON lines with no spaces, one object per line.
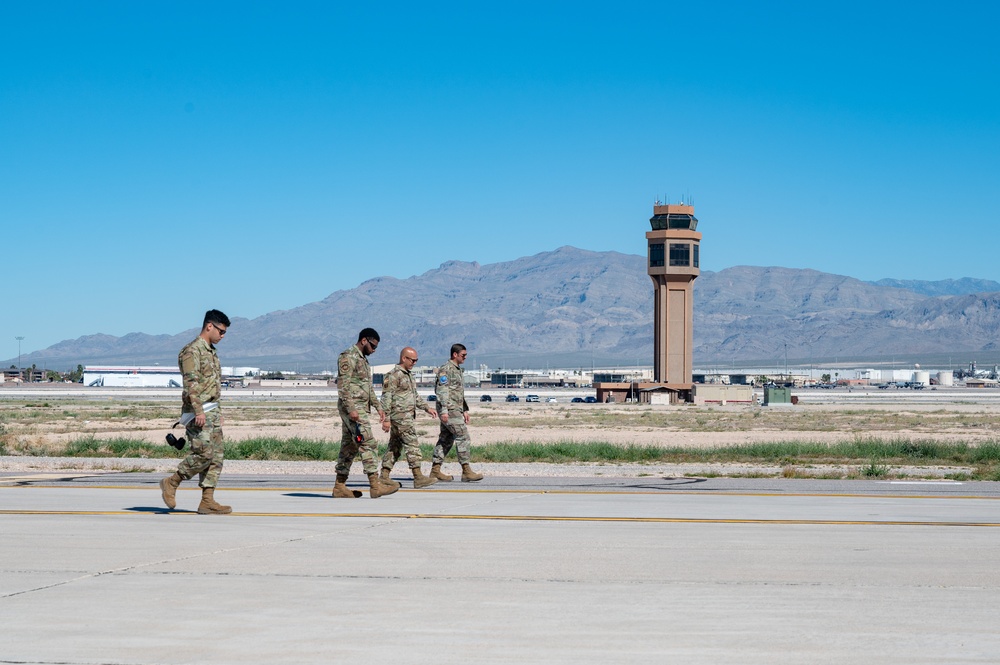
{"x":457,"y":348}
{"x":369,"y":333}
{"x":215,"y":316}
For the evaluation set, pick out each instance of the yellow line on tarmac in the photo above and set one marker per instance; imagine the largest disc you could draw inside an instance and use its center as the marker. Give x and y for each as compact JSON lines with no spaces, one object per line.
{"x":45,"y":476}
{"x":458,"y":490}
{"x":527,"y":518}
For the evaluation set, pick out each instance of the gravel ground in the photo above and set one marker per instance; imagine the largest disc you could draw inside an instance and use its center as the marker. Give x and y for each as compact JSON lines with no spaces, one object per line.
{"x":70,"y":465}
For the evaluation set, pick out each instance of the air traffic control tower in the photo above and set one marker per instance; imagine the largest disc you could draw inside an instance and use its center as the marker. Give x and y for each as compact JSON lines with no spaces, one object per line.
{"x":673,"y":266}
{"x":673,"y":259}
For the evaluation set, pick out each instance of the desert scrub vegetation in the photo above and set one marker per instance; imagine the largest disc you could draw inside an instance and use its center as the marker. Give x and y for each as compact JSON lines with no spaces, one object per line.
{"x":695,"y":419}
{"x":874,"y":455}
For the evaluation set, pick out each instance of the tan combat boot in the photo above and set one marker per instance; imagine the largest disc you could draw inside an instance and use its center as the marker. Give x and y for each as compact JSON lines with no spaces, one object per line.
{"x":470,"y":476}
{"x":420,"y":480}
{"x":341,"y":491}
{"x":377,"y":488}
{"x":438,"y":474}
{"x":168,"y":487}
{"x":386,"y":480}
{"x":208,"y":506}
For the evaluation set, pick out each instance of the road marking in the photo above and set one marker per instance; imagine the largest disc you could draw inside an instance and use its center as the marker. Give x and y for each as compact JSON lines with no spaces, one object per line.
{"x":522,"y":518}
{"x":46,"y":476}
{"x":921,"y":482}
{"x":623,"y":492}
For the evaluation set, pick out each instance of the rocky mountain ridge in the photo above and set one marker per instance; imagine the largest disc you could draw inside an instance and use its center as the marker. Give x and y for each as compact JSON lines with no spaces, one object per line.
{"x":572,"y":307}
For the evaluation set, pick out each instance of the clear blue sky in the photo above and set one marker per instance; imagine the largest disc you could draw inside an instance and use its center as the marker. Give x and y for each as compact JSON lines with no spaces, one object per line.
{"x":161,"y":158}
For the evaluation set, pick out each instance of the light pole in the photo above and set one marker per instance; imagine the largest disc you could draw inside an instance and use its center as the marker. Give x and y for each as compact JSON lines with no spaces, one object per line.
{"x":19,"y":339}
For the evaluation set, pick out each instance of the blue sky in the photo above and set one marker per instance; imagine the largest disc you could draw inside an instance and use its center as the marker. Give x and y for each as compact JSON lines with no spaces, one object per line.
{"x":161,"y":158}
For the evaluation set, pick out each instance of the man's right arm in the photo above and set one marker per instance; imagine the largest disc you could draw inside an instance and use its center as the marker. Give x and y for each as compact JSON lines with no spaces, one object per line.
{"x":193,"y":381}
{"x":440,"y":389}
{"x":343,"y":383}
{"x":389,"y":388}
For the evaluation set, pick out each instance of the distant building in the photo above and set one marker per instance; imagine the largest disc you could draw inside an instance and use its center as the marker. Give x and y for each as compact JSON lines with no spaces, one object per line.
{"x":294,"y":383}
{"x":131,"y":376}
{"x":240,"y":371}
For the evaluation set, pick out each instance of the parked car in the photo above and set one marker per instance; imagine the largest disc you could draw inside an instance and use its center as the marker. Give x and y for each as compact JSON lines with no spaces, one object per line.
{"x":590,"y":399}
{"x":432,"y":397}
{"x":551,"y":400}
{"x":532,"y":398}
{"x":577,"y":400}
{"x":513,"y":398}
{"x":485,"y":398}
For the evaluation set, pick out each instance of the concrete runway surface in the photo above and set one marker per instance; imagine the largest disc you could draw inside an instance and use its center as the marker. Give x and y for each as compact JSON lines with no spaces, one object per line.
{"x":93,"y":569}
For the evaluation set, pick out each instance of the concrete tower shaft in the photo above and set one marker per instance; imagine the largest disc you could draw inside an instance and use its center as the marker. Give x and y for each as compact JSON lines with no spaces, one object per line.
{"x":674,"y":248}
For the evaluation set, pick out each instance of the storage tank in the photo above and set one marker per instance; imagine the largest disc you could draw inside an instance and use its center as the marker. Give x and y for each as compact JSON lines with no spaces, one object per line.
{"x":946,"y":377}
{"x":923,"y":377}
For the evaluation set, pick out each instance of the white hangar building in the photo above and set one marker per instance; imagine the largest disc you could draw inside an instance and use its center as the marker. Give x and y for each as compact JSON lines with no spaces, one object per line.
{"x":132,"y":376}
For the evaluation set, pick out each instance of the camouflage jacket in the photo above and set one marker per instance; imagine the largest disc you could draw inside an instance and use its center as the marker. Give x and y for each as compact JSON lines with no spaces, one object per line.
{"x":354,"y":381}
{"x":399,"y":395}
{"x":449,"y":389}
{"x":199,"y":364}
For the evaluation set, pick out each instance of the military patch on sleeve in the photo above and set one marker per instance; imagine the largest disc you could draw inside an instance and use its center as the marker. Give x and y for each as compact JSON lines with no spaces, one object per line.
{"x":344,"y":366}
{"x":443,"y":379}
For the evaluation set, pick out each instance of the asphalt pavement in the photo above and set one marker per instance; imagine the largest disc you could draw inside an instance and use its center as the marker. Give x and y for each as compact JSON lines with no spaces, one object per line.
{"x":94,"y":569}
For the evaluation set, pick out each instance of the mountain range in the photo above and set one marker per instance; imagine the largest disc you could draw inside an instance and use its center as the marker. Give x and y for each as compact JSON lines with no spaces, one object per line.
{"x":578,"y":308}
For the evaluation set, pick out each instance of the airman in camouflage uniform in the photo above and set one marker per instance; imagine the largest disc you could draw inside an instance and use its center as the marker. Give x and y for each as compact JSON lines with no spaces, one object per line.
{"x":199,"y":365}
{"x":453,"y":411}
{"x":399,"y":401}
{"x":355,"y":399}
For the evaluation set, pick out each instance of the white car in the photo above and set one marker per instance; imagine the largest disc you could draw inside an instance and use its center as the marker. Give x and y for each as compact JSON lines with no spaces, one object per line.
{"x":532,"y":398}
{"x":551,"y":399}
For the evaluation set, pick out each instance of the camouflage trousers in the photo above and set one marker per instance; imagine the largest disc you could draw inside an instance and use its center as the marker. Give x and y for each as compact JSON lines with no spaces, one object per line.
{"x":456,"y":434}
{"x":402,"y":437}
{"x":349,"y":448}
{"x":207,"y":451}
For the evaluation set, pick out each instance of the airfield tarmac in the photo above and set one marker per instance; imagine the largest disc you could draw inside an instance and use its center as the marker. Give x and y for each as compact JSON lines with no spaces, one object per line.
{"x":93,"y":569}
{"x":601,"y":565}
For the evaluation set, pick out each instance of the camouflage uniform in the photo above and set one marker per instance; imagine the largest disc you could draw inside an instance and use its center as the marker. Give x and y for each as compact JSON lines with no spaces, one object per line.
{"x":199,"y":364}
{"x":355,"y":393}
{"x":450,"y":394}
{"x":399,"y":401}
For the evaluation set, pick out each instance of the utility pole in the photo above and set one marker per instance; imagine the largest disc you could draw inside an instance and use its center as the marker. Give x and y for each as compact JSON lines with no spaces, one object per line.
{"x":19,"y":339}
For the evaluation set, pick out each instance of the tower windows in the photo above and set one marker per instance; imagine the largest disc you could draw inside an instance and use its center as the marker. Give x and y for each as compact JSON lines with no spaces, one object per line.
{"x":680,"y":254}
{"x":656,"y":255}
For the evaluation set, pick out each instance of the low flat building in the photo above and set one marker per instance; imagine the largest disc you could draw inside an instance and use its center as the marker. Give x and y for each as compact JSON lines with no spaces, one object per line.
{"x":980,"y":383}
{"x":646,"y":392}
{"x":294,"y":383}
{"x":718,"y":393}
{"x":132,"y":376}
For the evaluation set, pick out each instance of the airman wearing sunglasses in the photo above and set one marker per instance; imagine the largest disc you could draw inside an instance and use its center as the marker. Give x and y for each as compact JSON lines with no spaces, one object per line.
{"x":400,"y":402}
{"x":202,"y":374}
{"x":355,"y":400}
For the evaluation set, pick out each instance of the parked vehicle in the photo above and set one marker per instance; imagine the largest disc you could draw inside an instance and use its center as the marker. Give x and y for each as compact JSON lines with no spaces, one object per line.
{"x":485,"y":398}
{"x":513,"y":398}
{"x":577,"y":400}
{"x":590,"y":399}
{"x":432,"y":397}
{"x":551,"y":400}
{"x":532,"y":398}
